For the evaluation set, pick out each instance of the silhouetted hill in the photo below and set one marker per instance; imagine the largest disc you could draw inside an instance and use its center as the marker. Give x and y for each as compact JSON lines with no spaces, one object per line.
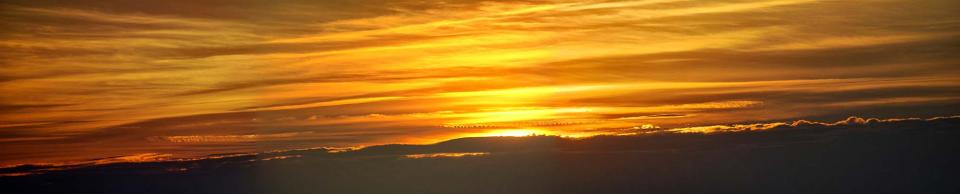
{"x":861,"y":156}
{"x":471,"y":144}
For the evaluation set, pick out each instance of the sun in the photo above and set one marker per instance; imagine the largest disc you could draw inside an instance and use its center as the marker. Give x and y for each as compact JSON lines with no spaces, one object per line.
{"x":515,"y":132}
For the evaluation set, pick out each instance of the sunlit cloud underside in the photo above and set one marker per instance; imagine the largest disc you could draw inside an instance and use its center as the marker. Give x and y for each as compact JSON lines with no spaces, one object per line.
{"x":94,"y":79}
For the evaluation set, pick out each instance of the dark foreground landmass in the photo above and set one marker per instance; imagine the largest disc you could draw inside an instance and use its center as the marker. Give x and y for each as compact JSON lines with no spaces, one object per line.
{"x":910,"y":156}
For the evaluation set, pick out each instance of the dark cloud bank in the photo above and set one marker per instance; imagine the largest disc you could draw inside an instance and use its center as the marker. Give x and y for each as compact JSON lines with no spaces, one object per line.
{"x":851,"y":156}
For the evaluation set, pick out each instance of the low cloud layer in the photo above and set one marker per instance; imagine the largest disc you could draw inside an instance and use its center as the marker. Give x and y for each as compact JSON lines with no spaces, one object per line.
{"x":851,"y":122}
{"x":892,"y":155}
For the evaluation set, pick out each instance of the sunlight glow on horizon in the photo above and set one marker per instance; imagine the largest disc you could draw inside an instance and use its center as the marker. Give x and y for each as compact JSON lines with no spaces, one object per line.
{"x":515,"y":133}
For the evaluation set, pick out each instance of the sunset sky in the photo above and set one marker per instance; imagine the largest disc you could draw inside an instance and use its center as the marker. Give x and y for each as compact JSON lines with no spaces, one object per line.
{"x":90,"y":79}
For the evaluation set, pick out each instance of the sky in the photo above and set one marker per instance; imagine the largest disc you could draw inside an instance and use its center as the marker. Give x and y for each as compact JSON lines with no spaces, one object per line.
{"x":91,"y":79}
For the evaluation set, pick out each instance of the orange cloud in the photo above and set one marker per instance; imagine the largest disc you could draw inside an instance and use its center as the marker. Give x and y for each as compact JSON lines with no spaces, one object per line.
{"x":108,"y":77}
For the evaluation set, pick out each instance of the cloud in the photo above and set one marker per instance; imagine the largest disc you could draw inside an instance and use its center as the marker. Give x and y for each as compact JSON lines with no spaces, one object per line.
{"x":225,"y":138}
{"x":904,"y":153}
{"x":882,"y":60}
{"x":126,"y":71}
{"x":402,"y":120}
{"x":850,"y":122}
